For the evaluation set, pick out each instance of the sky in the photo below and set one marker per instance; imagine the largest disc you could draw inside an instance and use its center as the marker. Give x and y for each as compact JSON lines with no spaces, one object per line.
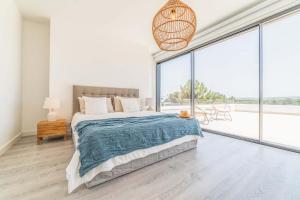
{"x":231,"y":67}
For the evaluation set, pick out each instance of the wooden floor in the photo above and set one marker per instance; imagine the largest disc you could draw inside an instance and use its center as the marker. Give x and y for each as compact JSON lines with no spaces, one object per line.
{"x":221,"y":168}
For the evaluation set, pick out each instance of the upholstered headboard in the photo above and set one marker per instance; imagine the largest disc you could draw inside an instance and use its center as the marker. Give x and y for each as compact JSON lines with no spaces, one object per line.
{"x":92,"y":91}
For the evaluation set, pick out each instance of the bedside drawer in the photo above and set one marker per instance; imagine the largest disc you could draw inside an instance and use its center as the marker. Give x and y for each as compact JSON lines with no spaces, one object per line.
{"x":48,"y":126}
{"x":59,"y":123}
{"x":51,"y":130}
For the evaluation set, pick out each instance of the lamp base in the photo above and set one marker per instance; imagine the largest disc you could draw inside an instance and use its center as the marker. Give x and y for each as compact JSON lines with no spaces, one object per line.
{"x":51,"y":116}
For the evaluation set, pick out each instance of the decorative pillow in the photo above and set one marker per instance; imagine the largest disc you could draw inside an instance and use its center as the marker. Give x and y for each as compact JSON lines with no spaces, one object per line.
{"x":110,"y":108}
{"x":81,"y":105}
{"x":118,"y":104}
{"x":130,"y":104}
{"x":95,"y":106}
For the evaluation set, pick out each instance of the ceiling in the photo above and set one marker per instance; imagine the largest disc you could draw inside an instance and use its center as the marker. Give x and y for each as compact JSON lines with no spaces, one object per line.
{"x":135,"y":16}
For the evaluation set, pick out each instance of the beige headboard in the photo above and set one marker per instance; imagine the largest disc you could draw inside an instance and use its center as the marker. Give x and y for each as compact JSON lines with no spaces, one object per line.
{"x":91,"y":91}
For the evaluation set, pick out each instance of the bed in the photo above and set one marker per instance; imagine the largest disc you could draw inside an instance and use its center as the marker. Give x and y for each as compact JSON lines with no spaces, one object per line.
{"x":122,"y":164}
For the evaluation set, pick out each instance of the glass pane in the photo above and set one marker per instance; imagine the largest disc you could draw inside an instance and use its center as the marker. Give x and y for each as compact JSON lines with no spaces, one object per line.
{"x":281,"y":82}
{"x":176,"y":85}
{"x":227,"y":85}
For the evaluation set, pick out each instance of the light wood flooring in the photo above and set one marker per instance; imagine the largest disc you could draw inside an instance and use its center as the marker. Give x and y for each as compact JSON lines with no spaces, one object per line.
{"x":221,"y":168}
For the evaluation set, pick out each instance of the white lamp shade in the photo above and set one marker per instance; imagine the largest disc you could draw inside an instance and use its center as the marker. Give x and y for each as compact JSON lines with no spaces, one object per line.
{"x":149,"y":102}
{"x":51,"y":103}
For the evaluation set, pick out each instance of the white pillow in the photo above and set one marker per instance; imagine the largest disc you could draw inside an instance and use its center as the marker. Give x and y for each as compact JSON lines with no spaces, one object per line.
{"x":95,"y":106}
{"x":130,"y":104}
{"x":110,"y":108}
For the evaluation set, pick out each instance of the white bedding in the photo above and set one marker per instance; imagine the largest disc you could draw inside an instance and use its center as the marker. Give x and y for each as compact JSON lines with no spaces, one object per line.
{"x":72,"y":171}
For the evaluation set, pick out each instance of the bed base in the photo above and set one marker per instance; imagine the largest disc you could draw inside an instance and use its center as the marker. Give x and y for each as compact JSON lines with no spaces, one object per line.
{"x":140,"y":163}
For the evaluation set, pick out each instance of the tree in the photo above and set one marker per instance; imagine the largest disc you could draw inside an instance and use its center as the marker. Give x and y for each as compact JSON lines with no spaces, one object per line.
{"x":175,"y":97}
{"x":202,"y":94}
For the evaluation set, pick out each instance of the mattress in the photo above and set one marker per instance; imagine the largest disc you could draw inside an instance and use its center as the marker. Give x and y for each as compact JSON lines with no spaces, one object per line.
{"x":123,"y":164}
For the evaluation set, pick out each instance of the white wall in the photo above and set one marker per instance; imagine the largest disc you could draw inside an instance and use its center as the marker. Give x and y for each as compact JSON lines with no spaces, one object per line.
{"x":35,"y":73}
{"x":86,"y":49}
{"x":10,"y":73}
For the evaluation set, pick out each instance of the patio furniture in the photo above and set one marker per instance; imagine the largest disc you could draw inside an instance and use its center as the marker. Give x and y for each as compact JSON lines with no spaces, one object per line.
{"x":222,"y":112}
{"x":206,"y":114}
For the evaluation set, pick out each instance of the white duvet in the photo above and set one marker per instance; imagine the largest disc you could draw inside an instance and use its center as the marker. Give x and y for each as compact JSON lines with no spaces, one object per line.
{"x":72,"y":171}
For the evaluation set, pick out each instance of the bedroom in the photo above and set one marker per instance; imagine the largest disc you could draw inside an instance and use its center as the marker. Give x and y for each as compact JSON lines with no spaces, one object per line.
{"x":236,"y":82}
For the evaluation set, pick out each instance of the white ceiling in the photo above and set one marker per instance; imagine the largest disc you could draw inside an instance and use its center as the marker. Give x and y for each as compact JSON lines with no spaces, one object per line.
{"x":136,"y":15}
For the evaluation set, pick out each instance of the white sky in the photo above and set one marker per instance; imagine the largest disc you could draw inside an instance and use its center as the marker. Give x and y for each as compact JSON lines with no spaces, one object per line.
{"x":231,"y":67}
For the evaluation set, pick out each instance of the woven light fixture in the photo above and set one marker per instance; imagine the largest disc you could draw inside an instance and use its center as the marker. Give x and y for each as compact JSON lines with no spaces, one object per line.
{"x":174,"y":26}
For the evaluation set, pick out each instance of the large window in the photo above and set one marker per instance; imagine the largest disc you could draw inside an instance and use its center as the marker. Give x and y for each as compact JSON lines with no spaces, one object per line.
{"x":281,"y":81}
{"x":175,"y":90}
{"x":227,"y":85}
{"x":247,"y":84}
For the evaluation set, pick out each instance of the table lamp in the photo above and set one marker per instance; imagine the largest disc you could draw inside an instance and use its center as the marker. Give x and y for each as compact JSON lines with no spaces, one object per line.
{"x":51,"y":104}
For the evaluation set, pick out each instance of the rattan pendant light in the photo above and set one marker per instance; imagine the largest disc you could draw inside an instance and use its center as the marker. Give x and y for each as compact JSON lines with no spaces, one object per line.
{"x":174,"y":26}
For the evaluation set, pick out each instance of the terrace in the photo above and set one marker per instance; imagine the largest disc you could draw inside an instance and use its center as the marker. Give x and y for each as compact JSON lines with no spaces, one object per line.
{"x":281,"y":123}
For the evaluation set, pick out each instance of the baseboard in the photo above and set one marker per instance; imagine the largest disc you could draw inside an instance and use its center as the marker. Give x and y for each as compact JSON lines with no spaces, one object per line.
{"x":33,"y":133}
{"x":6,"y":146}
{"x":28,"y":133}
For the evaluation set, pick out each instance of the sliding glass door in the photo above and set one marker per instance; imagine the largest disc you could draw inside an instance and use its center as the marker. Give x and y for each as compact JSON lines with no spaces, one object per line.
{"x":246,"y":85}
{"x":227,"y":85}
{"x":175,"y":85}
{"x":281,"y":81}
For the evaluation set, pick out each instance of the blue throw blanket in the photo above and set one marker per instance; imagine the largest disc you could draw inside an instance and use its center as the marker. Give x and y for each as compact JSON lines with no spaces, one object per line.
{"x":100,"y":140}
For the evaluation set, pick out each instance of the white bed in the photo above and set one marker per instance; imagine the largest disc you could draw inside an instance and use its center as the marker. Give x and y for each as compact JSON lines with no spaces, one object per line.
{"x":72,"y":171}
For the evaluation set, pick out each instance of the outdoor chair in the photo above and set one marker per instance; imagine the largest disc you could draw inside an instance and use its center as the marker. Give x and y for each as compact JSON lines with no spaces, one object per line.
{"x":222,"y":112}
{"x":206,"y":114}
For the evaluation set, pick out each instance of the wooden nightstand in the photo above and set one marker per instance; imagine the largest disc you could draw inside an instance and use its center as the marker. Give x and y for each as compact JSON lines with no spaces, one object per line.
{"x":48,"y":129}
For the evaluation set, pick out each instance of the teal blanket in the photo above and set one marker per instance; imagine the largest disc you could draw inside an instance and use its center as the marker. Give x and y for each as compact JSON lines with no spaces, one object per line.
{"x":100,"y":140}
